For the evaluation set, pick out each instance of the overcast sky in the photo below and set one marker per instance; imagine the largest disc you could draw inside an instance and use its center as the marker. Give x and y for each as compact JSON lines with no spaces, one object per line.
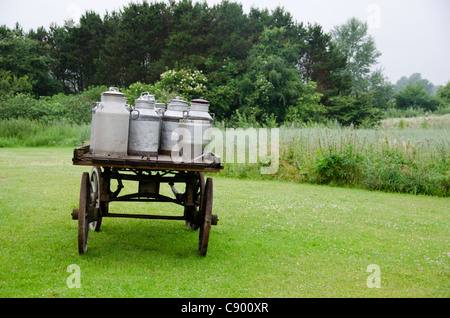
{"x":412,"y":35}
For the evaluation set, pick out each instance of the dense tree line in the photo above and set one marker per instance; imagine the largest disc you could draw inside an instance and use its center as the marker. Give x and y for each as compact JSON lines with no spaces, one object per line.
{"x":262,"y":65}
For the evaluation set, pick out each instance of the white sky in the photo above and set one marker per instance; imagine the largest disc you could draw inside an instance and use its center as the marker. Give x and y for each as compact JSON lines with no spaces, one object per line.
{"x":412,"y":35}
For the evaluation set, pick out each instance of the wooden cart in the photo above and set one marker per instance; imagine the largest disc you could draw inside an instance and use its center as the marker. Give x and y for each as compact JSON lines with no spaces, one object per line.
{"x":150,"y":172}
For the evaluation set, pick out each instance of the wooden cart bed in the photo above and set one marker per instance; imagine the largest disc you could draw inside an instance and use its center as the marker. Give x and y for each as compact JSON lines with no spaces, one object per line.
{"x":82,"y":157}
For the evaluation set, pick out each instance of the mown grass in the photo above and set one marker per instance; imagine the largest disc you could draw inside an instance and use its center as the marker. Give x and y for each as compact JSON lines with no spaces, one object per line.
{"x":274,"y":239}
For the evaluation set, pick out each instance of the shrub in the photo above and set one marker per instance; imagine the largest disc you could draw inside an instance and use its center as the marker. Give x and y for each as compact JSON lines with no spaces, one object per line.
{"x":342,"y":167}
{"x":188,"y":83}
{"x":76,"y":109}
{"x":415,"y":96}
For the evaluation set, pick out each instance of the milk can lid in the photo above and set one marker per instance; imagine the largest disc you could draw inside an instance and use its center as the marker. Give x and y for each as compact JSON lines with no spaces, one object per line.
{"x":146,"y":96}
{"x":178,"y":101}
{"x":113,"y":91}
{"x":200,"y":101}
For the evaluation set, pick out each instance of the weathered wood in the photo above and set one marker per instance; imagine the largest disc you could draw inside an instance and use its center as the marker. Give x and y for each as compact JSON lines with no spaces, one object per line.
{"x":82,"y":157}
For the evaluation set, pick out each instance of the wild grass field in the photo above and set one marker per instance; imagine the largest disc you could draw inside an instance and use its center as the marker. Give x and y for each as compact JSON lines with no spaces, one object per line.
{"x":274,"y":239}
{"x":401,"y":155}
{"x":406,"y":155}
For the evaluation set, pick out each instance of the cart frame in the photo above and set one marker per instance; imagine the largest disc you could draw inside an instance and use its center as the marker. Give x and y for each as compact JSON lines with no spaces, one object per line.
{"x":150,"y":172}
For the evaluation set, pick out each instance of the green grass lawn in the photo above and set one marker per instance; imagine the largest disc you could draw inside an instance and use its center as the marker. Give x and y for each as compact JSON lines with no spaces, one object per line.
{"x":274,"y":239}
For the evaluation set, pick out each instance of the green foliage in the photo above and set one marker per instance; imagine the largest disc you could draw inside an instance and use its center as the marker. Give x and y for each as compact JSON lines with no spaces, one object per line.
{"x":308,"y":107}
{"x":415,"y":79}
{"x":405,"y":160}
{"x":443,"y":93}
{"x":26,"y":59}
{"x":74,"y":109}
{"x":136,"y":89}
{"x":359,"y":48}
{"x":184,"y":82}
{"x":357,"y":110}
{"x":223,"y":99}
{"x":187,"y":83}
{"x":393,"y":112}
{"x":341,"y":168}
{"x":398,"y":171}
{"x":32,"y":133}
{"x":262,"y":63}
{"x":370,"y":91}
{"x":415,"y":96}
{"x":11,"y":84}
{"x":272,"y":82}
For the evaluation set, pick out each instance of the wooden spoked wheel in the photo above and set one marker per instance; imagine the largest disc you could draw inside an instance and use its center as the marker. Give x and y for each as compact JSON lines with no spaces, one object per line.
{"x":205,"y":216}
{"x":89,"y":207}
{"x":83,"y":213}
{"x":96,"y":190}
{"x":193,"y":212}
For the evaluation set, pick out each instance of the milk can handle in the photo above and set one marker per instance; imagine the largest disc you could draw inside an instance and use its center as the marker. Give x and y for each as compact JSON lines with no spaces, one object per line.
{"x":185,"y":114}
{"x":131,"y":114}
{"x":113,"y":89}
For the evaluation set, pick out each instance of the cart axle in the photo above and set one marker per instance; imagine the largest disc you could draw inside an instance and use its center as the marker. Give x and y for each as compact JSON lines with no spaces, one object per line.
{"x":143,"y":216}
{"x":214,"y":218}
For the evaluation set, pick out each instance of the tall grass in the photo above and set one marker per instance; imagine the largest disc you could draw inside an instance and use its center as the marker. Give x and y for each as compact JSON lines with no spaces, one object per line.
{"x":31,"y":133}
{"x":397,"y":160}
{"x":409,"y":159}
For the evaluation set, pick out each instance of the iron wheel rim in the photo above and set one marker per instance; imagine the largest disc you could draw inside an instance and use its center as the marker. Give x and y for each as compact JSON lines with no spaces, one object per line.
{"x":205,"y":216}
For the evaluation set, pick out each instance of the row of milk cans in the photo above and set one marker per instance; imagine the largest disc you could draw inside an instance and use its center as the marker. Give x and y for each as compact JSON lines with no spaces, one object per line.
{"x":148,"y":128}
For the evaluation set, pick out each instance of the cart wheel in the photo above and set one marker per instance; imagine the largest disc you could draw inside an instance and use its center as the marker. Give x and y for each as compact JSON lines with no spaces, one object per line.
{"x":96,"y":190}
{"x":205,"y":217}
{"x":83,"y":211}
{"x":193,"y":220}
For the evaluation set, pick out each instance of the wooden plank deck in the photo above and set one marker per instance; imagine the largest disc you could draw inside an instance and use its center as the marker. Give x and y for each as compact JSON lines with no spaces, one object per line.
{"x":82,"y":157}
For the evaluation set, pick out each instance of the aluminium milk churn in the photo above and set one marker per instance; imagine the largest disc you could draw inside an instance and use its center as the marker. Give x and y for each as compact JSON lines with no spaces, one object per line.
{"x":145,"y":127}
{"x":110,"y":131}
{"x":170,"y":122}
{"x":160,"y":108}
{"x":197,"y":129}
{"x":94,"y":109}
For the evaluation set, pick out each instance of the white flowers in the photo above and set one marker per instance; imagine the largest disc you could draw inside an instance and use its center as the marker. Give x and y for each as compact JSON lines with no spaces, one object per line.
{"x":184,"y":80}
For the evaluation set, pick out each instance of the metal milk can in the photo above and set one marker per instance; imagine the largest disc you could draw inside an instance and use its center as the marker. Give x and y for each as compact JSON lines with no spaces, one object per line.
{"x":110,"y":130}
{"x":196,"y":130}
{"x":145,"y":127}
{"x":160,"y":108}
{"x":94,"y":109}
{"x":170,"y":122}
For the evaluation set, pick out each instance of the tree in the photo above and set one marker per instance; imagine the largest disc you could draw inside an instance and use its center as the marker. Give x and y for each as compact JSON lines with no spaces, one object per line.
{"x":382,"y":89}
{"x":135,"y":40}
{"x":308,"y":107}
{"x":272,"y":82}
{"x":416,"y":78}
{"x":229,"y":42}
{"x":25,"y":57}
{"x":443,"y":93}
{"x":321,"y":62}
{"x":187,"y":43}
{"x":359,"y":48}
{"x":11,"y":84}
{"x":416,"y":96}
{"x":354,"y":109}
